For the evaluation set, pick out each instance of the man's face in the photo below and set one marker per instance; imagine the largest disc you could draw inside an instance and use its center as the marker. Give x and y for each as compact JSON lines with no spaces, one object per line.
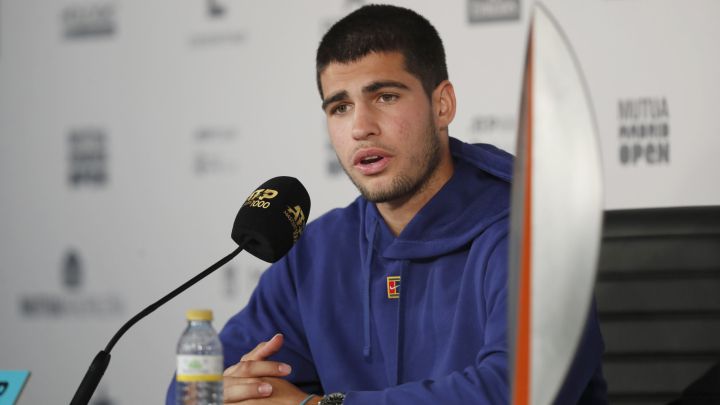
{"x":381,"y":126}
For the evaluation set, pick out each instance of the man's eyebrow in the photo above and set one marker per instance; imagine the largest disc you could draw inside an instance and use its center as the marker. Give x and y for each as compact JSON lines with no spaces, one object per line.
{"x":375,"y":86}
{"x":335,"y":97}
{"x":370,"y":88}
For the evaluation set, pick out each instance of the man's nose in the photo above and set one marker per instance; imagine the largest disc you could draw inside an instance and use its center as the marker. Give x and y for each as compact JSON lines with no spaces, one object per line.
{"x":364,"y":122}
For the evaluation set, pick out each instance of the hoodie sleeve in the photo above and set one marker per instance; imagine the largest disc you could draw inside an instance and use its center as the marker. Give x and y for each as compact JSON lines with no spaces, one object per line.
{"x":484,"y":381}
{"x":272,"y":309}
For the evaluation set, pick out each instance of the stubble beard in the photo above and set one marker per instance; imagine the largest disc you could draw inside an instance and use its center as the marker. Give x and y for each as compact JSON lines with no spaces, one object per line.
{"x":405,"y":185}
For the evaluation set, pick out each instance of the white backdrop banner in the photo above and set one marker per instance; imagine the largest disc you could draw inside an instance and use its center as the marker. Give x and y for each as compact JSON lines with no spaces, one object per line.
{"x":131,"y":132}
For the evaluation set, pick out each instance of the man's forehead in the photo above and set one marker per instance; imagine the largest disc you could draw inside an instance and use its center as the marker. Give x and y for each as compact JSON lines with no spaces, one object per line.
{"x":373,"y":67}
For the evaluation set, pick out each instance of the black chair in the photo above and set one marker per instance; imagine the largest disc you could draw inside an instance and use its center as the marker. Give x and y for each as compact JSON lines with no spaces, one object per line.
{"x":658,"y":296}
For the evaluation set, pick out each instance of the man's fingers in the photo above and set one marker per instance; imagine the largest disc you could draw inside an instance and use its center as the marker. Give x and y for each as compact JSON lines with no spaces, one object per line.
{"x":251,"y":355}
{"x":236,"y":392}
{"x":265,"y":349}
{"x":247,"y":368}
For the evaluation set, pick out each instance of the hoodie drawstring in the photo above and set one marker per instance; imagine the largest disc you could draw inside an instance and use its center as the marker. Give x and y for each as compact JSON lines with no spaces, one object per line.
{"x":366,"y":298}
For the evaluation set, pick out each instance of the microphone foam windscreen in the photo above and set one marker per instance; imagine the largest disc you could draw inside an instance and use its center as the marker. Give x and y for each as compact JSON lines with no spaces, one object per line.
{"x":272,"y":218}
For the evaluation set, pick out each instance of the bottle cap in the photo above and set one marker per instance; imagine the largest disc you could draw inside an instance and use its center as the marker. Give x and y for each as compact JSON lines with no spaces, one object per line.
{"x":199,"y":315}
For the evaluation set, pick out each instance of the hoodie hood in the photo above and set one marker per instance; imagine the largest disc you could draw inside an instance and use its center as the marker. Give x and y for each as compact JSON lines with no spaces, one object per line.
{"x":475,"y":197}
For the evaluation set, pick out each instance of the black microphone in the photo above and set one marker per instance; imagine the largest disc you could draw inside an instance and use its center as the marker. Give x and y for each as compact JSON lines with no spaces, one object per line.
{"x":269,"y":222}
{"x":272,"y":218}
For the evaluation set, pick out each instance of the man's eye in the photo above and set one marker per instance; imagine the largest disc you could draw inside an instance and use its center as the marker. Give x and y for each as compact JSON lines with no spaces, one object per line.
{"x":388,"y":98}
{"x":339,"y":109}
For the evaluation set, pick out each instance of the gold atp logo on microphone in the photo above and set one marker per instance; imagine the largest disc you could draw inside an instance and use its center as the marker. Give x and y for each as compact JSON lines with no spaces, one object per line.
{"x":296,"y":216}
{"x":259,"y":198}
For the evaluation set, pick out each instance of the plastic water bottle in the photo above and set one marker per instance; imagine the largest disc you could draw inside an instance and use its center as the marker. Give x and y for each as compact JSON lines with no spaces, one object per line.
{"x":199,"y":362}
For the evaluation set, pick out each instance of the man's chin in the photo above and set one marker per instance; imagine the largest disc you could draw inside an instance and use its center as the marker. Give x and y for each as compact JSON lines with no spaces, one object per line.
{"x":374,"y":192}
{"x":397,"y":190}
{"x":382,"y":187}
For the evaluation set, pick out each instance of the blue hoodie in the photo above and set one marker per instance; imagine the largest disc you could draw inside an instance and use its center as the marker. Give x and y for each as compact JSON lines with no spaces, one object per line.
{"x":436,"y":335}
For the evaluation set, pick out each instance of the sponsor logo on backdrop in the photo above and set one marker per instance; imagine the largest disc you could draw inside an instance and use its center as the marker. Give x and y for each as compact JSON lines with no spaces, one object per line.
{"x":217,"y":151}
{"x":348,"y":6}
{"x":72,"y":271}
{"x":87,"y":157}
{"x":217,"y":23}
{"x":102,"y":397}
{"x":229,"y":285}
{"x":644,"y":131}
{"x":242,"y":280}
{"x":90,"y":19}
{"x":481,"y":11}
{"x":499,"y":130}
{"x":72,"y":301}
{"x":332,"y":164}
{"x":215,"y":9}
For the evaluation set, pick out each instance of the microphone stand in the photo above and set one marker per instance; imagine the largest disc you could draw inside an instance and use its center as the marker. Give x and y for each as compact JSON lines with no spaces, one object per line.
{"x":102,"y":359}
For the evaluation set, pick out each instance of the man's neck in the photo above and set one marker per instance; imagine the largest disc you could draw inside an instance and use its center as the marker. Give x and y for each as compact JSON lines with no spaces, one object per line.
{"x":397,"y":214}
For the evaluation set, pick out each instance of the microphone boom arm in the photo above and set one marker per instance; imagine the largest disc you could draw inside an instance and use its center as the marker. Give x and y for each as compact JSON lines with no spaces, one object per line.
{"x":102,"y":359}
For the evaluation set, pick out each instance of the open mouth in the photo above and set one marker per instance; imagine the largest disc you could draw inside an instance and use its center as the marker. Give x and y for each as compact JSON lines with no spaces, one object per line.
{"x":370,"y":160}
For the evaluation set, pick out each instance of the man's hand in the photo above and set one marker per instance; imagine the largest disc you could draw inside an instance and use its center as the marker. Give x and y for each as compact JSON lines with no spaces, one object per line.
{"x":252,"y":378}
{"x":283,"y":393}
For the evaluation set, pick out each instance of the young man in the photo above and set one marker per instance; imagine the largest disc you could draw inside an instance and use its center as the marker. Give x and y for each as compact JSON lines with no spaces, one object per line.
{"x":399,"y":298}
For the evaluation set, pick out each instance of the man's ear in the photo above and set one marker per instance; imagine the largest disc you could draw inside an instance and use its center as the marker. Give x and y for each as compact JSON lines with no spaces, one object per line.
{"x":443,"y":104}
